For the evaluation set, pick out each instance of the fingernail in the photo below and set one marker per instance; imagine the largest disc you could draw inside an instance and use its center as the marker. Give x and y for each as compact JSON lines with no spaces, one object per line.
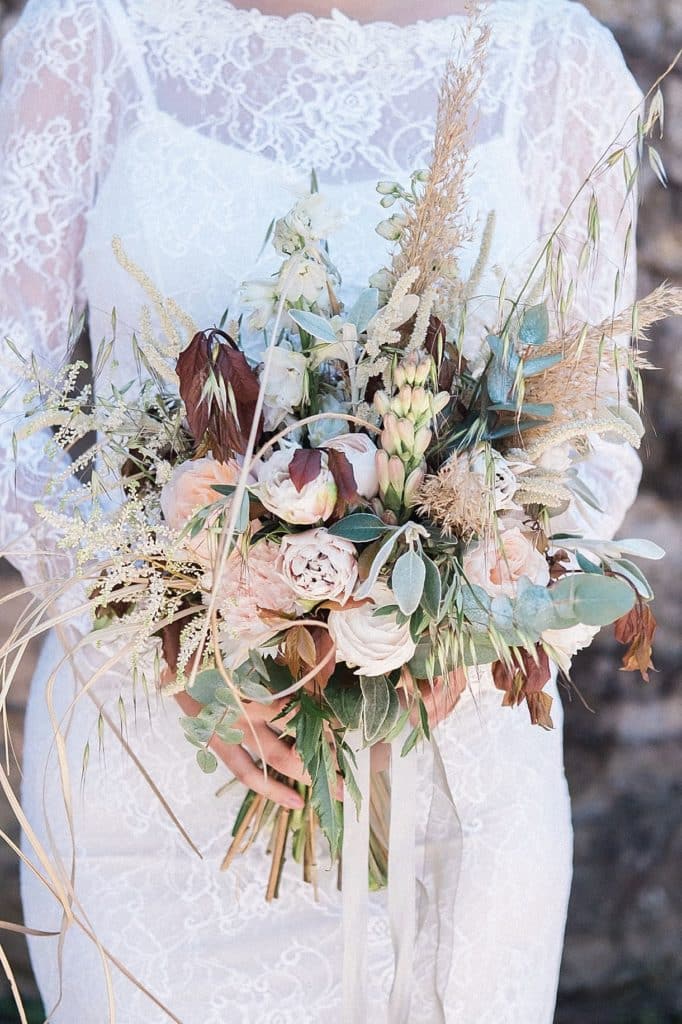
{"x":295,"y":802}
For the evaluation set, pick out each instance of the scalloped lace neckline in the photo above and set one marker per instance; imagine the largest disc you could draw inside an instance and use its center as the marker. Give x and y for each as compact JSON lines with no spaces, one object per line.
{"x":336,"y":16}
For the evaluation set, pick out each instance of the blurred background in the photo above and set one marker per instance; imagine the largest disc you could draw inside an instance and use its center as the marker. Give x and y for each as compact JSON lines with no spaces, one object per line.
{"x":623,"y":956}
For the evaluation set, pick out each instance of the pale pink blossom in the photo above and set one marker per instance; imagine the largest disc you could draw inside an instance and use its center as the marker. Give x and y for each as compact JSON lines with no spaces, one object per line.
{"x":312,"y":504}
{"x":361,"y":452}
{"x":319,"y":566}
{"x":497,"y":564}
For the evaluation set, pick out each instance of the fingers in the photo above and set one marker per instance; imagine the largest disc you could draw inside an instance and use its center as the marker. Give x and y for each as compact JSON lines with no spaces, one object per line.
{"x":277,"y":753}
{"x":243,"y":768}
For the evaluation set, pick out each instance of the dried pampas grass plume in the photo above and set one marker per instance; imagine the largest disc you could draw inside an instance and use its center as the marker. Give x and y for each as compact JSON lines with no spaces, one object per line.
{"x":458,"y":499}
{"x":436,"y":224}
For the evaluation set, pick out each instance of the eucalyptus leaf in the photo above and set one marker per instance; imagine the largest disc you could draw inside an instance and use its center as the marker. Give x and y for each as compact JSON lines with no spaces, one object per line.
{"x":313,"y":324}
{"x":587,"y":565}
{"x":407,"y":581}
{"x":228,"y":734}
{"x":360,"y":527}
{"x":591,"y":600}
{"x":205,"y":686}
{"x":532,"y":367}
{"x":634,"y":574}
{"x":640,"y":548}
{"x":207,"y":760}
{"x":476,"y":606}
{"x":534,"y":328}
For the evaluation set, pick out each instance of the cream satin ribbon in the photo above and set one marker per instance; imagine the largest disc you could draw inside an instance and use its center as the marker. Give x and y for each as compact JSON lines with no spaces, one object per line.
{"x":427,"y":951}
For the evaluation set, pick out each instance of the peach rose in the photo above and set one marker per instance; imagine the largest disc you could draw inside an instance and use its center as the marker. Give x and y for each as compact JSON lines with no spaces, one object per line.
{"x":249,"y":590}
{"x":497,"y":565}
{"x":189,"y":489}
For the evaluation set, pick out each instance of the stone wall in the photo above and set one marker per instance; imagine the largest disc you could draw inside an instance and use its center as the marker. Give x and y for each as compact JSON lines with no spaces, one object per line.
{"x":623,"y":961}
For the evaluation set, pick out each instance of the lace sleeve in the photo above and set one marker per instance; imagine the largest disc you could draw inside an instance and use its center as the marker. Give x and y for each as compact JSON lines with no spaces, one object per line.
{"x":48,"y":168}
{"x":597,"y":104}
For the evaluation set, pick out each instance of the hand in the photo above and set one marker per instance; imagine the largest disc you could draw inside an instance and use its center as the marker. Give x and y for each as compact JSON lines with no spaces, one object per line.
{"x":262,"y":739}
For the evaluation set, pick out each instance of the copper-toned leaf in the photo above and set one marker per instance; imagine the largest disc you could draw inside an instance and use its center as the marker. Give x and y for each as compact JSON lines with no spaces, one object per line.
{"x":306,"y":647}
{"x":344,"y":477}
{"x":637,"y":629}
{"x":539,"y":707}
{"x":305,"y":467}
{"x":521,"y":681}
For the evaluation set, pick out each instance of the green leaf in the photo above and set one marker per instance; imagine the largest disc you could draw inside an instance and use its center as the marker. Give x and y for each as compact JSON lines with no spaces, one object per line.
{"x":313,"y":324}
{"x":640,"y":548}
{"x":364,"y":309}
{"x":329,"y":809}
{"x":225,"y":489}
{"x":207,"y":760}
{"x":360,"y":527}
{"x":376,"y":704}
{"x":344,"y":754}
{"x":205,"y":686}
{"x":407,"y":581}
{"x":227,"y":733}
{"x":587,"y":565}
{"x":308,"y":725}
{"x":345,"y":700}
{"x":379,"y":561}
{"x":534,"y":328}
{"x":410,"y":742}
{"x":590,"y":599}
{"x":432,"y":588}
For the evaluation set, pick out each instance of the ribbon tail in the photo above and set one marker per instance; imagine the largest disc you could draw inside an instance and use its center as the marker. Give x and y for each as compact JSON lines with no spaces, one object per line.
{"x":355,"y":895}
{"x":402,"y":882}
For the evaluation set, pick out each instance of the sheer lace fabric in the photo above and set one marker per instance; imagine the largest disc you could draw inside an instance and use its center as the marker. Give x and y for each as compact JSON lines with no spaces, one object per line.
{"x":183,"y":128}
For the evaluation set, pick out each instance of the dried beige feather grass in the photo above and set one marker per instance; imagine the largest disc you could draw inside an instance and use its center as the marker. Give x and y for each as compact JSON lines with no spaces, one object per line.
{"x":458,"y":499}
{"x":436,"y":224}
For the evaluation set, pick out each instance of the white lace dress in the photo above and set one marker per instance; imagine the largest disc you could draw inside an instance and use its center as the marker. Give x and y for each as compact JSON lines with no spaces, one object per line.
{"x":183,"y":127}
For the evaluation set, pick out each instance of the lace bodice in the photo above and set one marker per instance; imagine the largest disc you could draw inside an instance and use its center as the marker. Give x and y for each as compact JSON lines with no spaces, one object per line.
{"x":123,"y":116}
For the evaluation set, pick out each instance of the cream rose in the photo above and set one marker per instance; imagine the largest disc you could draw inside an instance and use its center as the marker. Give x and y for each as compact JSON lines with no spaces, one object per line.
{"x":497,"y":566}
{"x":361,"y":452}
{"x":285,"y":384}
{"x":319,"y":567}
{"x":371,"y":644}
{"x":313,"y":503}
{"x":190,"y":488}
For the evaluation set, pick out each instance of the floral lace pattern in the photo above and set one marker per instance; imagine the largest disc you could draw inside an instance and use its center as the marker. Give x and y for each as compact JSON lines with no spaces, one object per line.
{"x":113,"y":114}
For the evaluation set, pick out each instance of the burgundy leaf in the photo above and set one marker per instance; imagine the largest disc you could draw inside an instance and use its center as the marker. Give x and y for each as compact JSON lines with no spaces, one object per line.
{"x":192,"y":368}
{"x":231,"y":365}
{"x":305,"y":467}
{"x":436,"y":345}
{"x":342,"y":471}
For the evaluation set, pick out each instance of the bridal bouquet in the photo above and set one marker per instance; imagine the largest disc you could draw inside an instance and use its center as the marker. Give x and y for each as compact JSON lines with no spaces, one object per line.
{"x":337,"y":507}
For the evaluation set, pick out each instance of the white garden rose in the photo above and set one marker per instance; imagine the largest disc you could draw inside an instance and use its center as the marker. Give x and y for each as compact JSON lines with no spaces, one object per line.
{"x":498,"y":564}
{"x":371,"y":644}
{"x":318,"y":566}
{"x":565,"y":643}
{"x":285,"y":384}
{"x":312,"y":504}
{"x":361,"y":452}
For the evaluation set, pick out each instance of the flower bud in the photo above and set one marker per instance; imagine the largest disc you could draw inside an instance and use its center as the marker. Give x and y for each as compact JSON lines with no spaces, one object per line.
{"x":382,"y":403}
{"x":422,"y":440}
{"x":406,"y":434}
{"x":420,"y":175}
{"x":421,"y":404}
{"x":396,"y":474}
{"x":423,"y":370}
{"x":399,"y":376}
{"x":388,"y":201}
{"x":390,"y":436}
{"x":439,"y":402}
{"x":402,"y":403}
{"x":413,"y":486}
{"x":382,"y":470}
{"x":387,"y":188}
{"x":389,"y":229}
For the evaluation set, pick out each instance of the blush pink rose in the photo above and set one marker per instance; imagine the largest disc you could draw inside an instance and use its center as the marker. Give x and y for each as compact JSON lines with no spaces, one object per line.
{"x":312,"y":504}
{"x":319,"y":566}
{"x":249,"y":590}
{"x":497,"y":565}
{"x":189,"y":489}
